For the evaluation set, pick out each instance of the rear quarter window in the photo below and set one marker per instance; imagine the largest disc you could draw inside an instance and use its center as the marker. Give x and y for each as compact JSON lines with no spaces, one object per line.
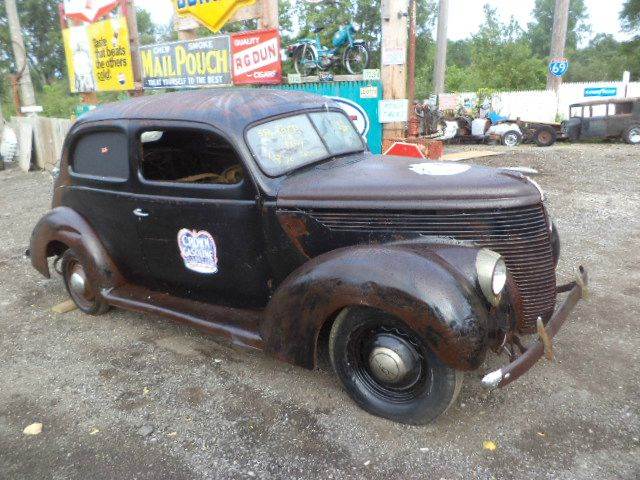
{"x":102,"y":155}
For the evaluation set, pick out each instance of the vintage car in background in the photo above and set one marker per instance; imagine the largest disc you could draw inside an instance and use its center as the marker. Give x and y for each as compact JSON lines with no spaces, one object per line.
{"x":260,"y":216}
{"x":609,"y":118}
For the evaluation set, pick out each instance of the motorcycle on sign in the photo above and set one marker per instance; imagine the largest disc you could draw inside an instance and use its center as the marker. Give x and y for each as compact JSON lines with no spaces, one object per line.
{"x":310,"y":55}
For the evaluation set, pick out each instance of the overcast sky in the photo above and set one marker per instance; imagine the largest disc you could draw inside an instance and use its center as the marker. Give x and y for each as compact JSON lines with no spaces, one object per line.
{"x":466,"y":15}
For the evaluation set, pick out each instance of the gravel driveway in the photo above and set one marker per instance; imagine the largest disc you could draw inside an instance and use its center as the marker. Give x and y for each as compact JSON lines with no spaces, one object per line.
{"x":137,"y":397}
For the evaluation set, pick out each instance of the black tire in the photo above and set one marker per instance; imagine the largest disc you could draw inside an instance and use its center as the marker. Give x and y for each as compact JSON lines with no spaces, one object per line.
{"x":545,"y":136}
{"x":88,"y":301}
{"x":632,"y":135}
{"x":303,"y":57}
{"x":356,"y":59}
{"x":425,"y":391}
{"x":512,"y":138}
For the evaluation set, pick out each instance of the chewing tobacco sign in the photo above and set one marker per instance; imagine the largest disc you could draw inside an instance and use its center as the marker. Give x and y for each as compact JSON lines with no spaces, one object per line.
{"x":204,"y":62}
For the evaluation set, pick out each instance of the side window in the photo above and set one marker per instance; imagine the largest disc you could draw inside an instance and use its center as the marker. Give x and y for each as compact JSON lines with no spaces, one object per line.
{"x":102,"y":154}
{"x":188,"y":156}
{"x":624,"y":108}
{"x":599,"y":110}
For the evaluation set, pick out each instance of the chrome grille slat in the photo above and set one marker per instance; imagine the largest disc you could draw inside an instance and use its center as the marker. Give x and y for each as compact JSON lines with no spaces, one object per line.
{"x":520,"y":235}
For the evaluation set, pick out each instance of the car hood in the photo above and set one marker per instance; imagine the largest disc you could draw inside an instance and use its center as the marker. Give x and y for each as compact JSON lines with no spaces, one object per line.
{"x":383,"y":182}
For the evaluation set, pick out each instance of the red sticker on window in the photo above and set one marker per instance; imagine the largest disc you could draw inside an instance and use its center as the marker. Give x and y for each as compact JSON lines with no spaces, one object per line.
{"x":104,"y":150}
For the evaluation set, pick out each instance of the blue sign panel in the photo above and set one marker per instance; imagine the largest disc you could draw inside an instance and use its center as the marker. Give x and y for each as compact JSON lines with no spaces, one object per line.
{"x":601,"y":91}
{"x":358,"y":99}
{"x":558,"y":67}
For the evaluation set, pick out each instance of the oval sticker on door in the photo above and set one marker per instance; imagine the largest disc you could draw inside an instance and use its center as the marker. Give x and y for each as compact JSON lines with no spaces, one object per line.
{"x":198,"y":251}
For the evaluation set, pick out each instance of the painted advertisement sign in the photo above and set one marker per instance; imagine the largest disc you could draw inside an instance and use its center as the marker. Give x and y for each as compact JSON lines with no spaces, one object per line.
{"x":99,"y":57}
{"x":204,"y":62}
{"x":88,"y":10}
{"x":601,"y":91}
{"x":213,"y":14}
{"x":256,"y":57}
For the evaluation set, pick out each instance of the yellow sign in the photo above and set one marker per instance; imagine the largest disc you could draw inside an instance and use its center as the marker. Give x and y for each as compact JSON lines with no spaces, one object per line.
{"x":99,"y":57}
{"x":213,"y":14}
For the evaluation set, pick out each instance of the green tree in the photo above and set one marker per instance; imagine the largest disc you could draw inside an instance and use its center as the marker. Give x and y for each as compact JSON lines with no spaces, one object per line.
{"x":630,"y":16}
{"x":539,"y":31}
{"x":602,"y":59}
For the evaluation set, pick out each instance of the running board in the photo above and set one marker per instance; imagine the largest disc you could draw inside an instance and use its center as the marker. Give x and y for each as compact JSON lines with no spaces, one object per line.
{"x":240,"y":327}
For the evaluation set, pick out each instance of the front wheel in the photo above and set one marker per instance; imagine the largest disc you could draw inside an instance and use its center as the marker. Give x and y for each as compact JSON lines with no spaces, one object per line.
{"x":511,"y":138}
{"x":79,"y":287}
{"x":356,"y":59}
{"x":387,"y":370}
{"x":305,"y":61}
{"x":632,"y":135}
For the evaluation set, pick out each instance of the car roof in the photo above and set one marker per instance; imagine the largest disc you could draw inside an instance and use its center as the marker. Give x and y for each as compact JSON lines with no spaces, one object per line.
{"x":224,"y":108}
{"x":606,"y":101}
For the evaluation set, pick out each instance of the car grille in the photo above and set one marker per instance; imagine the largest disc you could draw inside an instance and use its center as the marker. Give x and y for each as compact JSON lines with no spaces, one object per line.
{"x":520,"y":235}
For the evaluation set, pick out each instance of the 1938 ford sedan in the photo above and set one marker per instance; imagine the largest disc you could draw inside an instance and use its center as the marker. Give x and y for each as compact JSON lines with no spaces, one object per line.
{"x":260,"y":216}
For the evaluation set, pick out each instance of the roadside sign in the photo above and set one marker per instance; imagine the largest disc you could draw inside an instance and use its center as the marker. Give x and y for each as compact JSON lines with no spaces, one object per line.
{"x":601,"y":91}
{"x":559,"y":67}
{"x":204,"y":62}
{"x":99,"y":57}
{"x":256,"y":57}
{"x":392,"y":111}
{"x":371,"y":74}
{"x":403,"y":149}
{"x":294,"y":78}
{"x":211,"y":14}
{"x":88,"y":11}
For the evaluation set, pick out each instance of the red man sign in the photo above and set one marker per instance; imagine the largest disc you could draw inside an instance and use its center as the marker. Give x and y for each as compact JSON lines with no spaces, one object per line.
{"x":256,"y":57}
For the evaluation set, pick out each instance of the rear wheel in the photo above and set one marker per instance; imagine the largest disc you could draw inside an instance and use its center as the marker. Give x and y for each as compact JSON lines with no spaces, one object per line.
{"x":511,"y":138}
{"x":387,"y":370}
{"x":83,"y":294}
{"x":632,"y":135}
{"x":356,"y":59}
{"x":545,"y":137}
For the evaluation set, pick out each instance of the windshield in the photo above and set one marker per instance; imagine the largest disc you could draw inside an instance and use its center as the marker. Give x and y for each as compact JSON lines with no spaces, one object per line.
{"x":286,"y":144}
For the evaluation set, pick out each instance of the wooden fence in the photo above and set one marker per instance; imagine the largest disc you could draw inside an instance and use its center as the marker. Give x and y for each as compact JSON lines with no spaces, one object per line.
{"x":40,"y":141}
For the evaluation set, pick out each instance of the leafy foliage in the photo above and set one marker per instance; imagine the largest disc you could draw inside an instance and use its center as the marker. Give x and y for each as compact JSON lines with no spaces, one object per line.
{"x":630,"y":16}
{"x":540,"y":30}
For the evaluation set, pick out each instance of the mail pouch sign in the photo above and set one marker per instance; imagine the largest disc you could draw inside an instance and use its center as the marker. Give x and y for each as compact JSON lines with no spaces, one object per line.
{"x":204,"y":62}
{"x":256,"y":57}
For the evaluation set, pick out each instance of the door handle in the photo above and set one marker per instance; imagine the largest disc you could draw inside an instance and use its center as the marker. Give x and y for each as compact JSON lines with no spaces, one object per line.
{"x":138,"y":212}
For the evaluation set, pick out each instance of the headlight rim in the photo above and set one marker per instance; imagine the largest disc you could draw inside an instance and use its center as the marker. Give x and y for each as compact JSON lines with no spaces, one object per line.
{"x":489,"y":264}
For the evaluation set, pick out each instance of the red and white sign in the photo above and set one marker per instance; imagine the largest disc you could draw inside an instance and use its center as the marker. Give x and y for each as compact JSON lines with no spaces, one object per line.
{"x":88,"y":10}
{"x":256,"y":57}
{"x":403,"y":149}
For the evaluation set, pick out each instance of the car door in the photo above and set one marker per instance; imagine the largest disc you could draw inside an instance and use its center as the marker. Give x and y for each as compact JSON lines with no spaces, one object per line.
{"x":198,"y":216}
{"x":101,"y":191}
{"x":596,"y":125}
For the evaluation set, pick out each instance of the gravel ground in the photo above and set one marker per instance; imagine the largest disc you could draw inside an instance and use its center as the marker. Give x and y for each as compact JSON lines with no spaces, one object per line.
{"x":137,"y":397}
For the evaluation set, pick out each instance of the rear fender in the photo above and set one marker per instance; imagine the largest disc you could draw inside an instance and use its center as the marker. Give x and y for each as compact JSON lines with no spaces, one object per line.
{"x":64,"y":228}
{"x":414,"y":283}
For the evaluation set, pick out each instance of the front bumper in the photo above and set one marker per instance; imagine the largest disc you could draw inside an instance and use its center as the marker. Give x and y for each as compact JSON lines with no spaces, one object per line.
{"x":521,"y":365}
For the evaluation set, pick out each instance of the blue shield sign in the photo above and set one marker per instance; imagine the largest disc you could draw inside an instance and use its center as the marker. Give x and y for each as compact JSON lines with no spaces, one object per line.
{"x":558,"y":67}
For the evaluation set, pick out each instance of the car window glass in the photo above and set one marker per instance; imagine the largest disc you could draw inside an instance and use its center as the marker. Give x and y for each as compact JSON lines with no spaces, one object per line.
{"x":624,"y":108}
{"x":285,"y":144}
{"x":188,"y":156}
{"x":337,"y":131}
{"x":102,"y":155}
{"x":599,"y":110}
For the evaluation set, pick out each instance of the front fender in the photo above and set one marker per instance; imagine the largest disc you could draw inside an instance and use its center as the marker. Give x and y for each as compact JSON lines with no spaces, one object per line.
{"x":64,"y":228}
{"x":414,"y":283}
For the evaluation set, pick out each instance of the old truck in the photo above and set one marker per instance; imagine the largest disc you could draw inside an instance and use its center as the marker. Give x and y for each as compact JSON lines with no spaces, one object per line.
{"x":259,"y":216}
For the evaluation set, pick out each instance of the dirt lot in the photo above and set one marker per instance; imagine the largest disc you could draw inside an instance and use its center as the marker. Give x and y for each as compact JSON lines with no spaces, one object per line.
{"x":132,"y":396}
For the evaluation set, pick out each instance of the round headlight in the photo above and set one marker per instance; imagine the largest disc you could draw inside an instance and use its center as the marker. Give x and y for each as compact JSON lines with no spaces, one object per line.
{"x":492,"y":274}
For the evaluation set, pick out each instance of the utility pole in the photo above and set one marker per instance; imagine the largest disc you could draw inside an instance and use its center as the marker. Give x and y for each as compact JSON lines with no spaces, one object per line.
{"x":269,"y":17}
{"x":134,"y":40}
{"x":394,"y":54}
{"x":413,"y":13}
{"x":441,"y":48}
{"x":27,"y":95}
{"x":558,"y":39}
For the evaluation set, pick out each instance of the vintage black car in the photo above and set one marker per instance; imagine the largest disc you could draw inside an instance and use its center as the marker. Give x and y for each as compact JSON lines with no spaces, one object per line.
{"x":259,"y":215}
{"x":609,"y":118}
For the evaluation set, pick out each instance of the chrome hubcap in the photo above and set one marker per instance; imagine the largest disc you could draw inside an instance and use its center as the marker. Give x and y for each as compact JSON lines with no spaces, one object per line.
{"x":394,"y":361}
{"x":78,"y":282}
{"x":634,"y":135}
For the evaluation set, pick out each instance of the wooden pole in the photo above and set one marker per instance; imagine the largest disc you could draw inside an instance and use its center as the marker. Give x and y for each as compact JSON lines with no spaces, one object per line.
{"x":413,"y":12}
{"x":558,"y":40}
{"x":441,"y":48}
{"x":134,"y":40}
{"x":394,"y":39}
{"x":269,"y":17}
{"x":27,"y":94}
